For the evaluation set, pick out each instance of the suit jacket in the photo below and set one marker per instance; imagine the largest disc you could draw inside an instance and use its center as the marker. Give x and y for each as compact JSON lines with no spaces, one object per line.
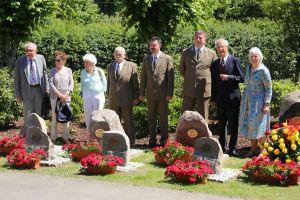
{"x":228,"y":89}
{"x":196,"y":73}
{"x":21,"y":84}
{"x":158,"y":82}
{"x":123,"y":90}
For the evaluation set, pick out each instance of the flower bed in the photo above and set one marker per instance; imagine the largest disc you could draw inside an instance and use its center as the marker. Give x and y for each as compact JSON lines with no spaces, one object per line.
{"x":171,"y":152}
{"x":81,"y":150}
{"x":283,"y":143}
{"x":21,"y":158}
{"x":262,"y":169}
{"x":102,"y":165}
{"x":189,"y":172}
{"x":7,"y":144}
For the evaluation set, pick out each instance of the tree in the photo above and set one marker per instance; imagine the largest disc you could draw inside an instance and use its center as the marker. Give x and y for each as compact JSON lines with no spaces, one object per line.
{"x":17,"y":19}
{"x":287,"y":15}
{"x":161,"y":18}
{"x":243,"y":10}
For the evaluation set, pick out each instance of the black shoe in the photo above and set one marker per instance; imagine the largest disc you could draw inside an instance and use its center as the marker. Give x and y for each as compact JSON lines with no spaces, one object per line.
{"x":152,"y":145}
{"x":233,"y":152}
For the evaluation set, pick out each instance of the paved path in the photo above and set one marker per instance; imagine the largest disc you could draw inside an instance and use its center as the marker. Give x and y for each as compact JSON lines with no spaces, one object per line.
{"x":20,"y":186}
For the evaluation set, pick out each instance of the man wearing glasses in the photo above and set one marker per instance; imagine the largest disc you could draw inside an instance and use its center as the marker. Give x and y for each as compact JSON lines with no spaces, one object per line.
{"x":31,"y":80}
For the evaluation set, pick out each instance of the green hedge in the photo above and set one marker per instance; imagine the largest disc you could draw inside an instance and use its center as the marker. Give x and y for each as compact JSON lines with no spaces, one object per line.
{"x":101,"y":38}
{"x":10,"y":110}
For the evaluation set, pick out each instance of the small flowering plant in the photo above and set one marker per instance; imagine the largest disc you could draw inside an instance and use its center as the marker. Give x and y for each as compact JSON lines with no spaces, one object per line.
{"x":263,"y":166}
{"x":172,"y":151}
{"x":283,"y":143}
{"x":22,"y":158}
{"x":96,"y":160}
{"x":15,"y":141}
{"x":69,"y":148}
{"x":189,"y":172}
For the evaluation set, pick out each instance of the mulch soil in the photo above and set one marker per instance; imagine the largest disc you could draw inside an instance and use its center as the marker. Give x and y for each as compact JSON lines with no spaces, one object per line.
{"x":79,"y":133}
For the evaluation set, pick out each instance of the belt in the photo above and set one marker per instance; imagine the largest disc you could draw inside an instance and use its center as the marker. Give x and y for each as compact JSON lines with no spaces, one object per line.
{"x":36,"y":85}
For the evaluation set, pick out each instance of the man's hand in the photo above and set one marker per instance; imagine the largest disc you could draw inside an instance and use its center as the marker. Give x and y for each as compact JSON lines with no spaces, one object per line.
{"x":168,"y":98}
{"x":135,"y":102}
{"x":224,"y":77}
{"x":142,"y":98}
{"x":19,"y":99}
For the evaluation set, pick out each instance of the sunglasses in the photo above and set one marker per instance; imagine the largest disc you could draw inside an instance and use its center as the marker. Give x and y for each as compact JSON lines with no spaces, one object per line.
{"x":58,"y":60}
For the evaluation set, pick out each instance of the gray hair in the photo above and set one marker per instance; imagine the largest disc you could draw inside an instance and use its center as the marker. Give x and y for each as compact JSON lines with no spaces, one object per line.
{"x":255,"y":50}
{"x":120,"y":49}
{"x":90,"y":57}
{"x":30,"y":43}
{"x":221,"y":40}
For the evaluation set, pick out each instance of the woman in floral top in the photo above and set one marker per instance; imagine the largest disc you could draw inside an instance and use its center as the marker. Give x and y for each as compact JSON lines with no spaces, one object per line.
{"x":254,"y":118}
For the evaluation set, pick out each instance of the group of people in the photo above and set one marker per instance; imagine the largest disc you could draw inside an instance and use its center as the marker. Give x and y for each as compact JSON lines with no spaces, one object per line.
{"x":208,"y":80}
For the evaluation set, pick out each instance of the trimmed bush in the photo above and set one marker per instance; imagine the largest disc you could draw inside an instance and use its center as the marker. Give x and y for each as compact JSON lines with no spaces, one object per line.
{"x":10,"y":110}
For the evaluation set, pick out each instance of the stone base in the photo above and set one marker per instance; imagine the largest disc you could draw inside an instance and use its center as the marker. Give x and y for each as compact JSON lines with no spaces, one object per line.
{"x":59,"y":158}
{"x":136,"y":152}
{"x":225,"y":176}
{"x":132,"y":166}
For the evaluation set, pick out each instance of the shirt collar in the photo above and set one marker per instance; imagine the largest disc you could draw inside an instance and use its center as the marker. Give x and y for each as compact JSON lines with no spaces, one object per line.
{"x":225,"y":58}
{"x":157,"y":55}
{"x":201,"y":49}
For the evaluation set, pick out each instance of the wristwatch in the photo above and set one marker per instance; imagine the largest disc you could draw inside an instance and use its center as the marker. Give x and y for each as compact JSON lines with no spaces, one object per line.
{"x":267,"y":104}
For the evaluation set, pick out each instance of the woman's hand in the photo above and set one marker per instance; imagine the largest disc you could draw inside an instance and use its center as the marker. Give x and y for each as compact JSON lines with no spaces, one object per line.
{"x":266,"y":109}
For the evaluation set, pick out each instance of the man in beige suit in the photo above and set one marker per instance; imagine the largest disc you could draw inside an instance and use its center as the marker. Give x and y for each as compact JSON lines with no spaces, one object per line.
{"x":123,"y":90}
{"x":157,"y":83}
{"x":195,"y":68}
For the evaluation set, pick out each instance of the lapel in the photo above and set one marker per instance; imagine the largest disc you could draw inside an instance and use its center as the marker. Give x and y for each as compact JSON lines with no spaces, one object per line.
{"x":123,"y":70}
{"x":39,"y":64}
{"x":24,"y":66}
{"x":228,"y":64}
{"x":193,"y":53}
{"x":114,"y":70}
{"x":203,"y":54}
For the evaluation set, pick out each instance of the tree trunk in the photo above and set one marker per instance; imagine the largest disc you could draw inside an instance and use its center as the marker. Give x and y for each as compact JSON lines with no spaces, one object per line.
{"x":8,"y":53}
{"x":298,"y":69}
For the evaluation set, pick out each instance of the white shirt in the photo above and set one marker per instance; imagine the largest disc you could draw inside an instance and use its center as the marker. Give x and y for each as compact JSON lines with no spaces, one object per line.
{"x":36,"y":72}
{"x":157,"y":55}
{"x":201,"y":49}
{"x":121,"y":65}
{"x":225,"y":59}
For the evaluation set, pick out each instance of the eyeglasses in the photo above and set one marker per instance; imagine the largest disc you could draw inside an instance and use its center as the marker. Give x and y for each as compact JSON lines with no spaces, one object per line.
{"x":29,"y":50}
{"x":58,"y":60}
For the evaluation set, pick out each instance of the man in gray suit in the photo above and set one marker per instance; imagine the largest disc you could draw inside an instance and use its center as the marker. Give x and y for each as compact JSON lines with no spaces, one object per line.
{"x":195,"y":65}
{"x":31,"y":80}
{"x":123,"y":90}
{"x":157,"y":83}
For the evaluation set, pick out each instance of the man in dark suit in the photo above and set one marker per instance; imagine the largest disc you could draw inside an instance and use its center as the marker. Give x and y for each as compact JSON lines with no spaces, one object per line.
{"x":123,"y":90}
{"x":31,"y":80}
{"x":157,"y":83}
{"x":195,"y":65}
{"x":226,"y":73}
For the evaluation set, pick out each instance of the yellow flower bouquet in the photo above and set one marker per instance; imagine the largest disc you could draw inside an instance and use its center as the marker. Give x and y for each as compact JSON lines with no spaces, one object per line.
{"x":283,"y":143}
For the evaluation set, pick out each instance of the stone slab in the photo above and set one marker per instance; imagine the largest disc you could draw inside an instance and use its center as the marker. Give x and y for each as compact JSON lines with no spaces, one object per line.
{"x":226,"y":175}
{"x":132,"y":166}
{"x":58,"y":160}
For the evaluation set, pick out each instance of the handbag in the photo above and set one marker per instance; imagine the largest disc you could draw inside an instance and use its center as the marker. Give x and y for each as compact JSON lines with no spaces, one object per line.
{"x":63,"y":111}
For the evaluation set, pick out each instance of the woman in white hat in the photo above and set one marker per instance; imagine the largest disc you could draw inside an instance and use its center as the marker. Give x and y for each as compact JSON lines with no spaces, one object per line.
{"x":93,"y":85}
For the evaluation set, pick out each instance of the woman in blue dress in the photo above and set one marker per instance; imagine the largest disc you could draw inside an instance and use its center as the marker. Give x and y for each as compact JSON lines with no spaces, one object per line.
{"x":254,"y":118}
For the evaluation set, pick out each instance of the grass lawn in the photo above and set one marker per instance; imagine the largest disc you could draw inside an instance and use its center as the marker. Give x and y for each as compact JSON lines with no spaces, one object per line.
{"x":153,"y":175}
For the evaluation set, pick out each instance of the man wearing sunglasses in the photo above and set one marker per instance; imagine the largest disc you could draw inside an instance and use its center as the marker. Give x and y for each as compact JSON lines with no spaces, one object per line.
{"x":31,"y":80}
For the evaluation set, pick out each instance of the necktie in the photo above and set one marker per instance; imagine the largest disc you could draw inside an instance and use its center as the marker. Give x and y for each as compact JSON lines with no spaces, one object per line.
{"x":32,"y":72}
{"x":198,"y":53}
{"x":117,"y":70}
{"x":154,"y":62}
{"x":222,"y":66}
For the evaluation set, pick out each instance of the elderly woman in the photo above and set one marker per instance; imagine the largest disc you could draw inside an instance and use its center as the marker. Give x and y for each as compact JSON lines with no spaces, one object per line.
{"x":254,"y":118}
{"x":61,"y":85}
{"x":93,"y":85}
